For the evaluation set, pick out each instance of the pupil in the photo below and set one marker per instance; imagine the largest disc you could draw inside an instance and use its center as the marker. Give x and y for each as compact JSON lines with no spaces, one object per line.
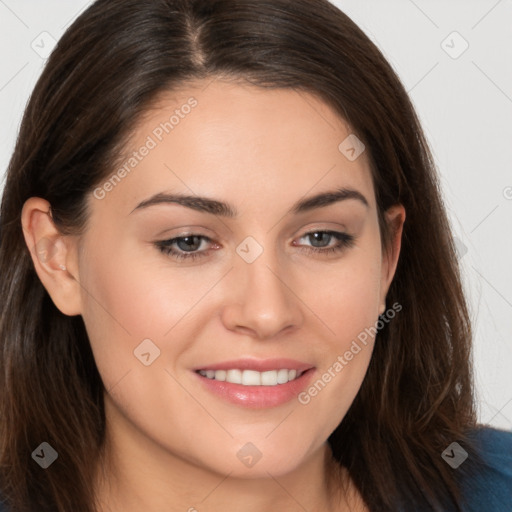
{"x":188,"y":243}
{"x":317,"y":236}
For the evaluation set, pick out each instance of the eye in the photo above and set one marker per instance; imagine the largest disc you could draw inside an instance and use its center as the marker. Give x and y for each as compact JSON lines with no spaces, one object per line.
{"x":187,"y":247}
{"x":320,"y":241}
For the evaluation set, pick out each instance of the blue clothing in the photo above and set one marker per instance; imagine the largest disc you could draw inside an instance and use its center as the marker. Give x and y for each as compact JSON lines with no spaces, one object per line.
{"x":490,"y":490}
{"x":486,"y":487}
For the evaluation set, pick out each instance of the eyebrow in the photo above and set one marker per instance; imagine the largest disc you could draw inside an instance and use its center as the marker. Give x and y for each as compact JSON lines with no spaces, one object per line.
{"x":216,"y":207}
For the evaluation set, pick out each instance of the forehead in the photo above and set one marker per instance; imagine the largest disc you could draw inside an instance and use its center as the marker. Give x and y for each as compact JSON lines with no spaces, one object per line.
{"x":235,"y":140}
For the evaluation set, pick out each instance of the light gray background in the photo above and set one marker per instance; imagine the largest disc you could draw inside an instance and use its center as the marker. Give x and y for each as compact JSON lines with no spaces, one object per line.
{"x":464,"y":101}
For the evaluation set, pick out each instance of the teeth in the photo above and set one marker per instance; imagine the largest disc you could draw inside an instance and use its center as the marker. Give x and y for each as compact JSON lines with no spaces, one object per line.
{"x":234,"y":376}
{"x":218,"y":375}
{"x":252,"y":377}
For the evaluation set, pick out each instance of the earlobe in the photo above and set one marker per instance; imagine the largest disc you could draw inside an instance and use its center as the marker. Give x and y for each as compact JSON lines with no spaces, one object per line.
{"x":52,"y":256}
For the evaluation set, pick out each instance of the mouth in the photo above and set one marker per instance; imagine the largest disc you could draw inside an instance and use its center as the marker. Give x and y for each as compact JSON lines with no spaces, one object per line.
{"x":256,"y":383}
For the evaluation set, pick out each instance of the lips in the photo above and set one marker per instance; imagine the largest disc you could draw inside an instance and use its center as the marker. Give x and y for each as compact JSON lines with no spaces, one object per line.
{"x":256,"y":383}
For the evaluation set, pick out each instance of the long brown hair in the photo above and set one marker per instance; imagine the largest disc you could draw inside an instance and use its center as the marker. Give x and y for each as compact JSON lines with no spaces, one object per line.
{"x":417,"y":396}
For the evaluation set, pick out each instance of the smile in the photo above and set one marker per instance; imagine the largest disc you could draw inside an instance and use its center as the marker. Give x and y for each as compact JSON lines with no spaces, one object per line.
{"x":256,"y":383}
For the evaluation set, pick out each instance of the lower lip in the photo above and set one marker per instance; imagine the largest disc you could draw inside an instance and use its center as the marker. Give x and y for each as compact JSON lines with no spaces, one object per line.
{"x":258,"y":397}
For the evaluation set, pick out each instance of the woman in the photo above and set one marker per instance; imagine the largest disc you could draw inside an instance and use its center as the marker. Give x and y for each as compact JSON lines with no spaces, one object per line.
{"x":229,"y":280}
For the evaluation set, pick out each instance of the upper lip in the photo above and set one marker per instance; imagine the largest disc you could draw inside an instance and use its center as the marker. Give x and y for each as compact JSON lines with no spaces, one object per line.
{"x":259,"y":365}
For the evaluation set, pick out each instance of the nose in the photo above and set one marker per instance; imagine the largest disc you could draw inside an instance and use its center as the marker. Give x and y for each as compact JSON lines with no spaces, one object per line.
{"x":262,"y":301}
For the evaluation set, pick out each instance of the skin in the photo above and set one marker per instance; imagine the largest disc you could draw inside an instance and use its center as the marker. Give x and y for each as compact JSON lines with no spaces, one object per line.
{"x":260,"y":151}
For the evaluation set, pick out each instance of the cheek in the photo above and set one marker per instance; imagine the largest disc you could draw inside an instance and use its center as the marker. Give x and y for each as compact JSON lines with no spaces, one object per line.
{"x":347,"y":298}
{"x":130,"y":294}
{"x":126,"y":291}
{"x":145,"y":291}
{"x":347,"y":303}
{"x":120,"y":301}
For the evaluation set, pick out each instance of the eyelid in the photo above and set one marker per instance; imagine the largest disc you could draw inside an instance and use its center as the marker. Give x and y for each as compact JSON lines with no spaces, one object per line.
{"x":186,"y":230}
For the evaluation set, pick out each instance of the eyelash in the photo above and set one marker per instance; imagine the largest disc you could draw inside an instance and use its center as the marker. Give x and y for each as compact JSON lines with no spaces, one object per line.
{"x":344,"y":241}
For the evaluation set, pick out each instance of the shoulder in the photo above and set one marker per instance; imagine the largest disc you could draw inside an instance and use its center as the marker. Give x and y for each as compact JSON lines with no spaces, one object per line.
{"x":486,"y":475}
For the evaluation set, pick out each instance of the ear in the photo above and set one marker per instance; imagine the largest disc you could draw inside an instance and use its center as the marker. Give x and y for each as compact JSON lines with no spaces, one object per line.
{"x":53,"y":255}
{"x":395,"y":217}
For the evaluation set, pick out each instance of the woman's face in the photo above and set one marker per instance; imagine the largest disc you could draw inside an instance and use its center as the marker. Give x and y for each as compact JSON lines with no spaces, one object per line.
{"x":264,"y":287}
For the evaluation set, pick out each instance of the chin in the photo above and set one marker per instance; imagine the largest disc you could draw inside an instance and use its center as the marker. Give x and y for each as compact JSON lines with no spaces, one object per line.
{"x":262,"y":469}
